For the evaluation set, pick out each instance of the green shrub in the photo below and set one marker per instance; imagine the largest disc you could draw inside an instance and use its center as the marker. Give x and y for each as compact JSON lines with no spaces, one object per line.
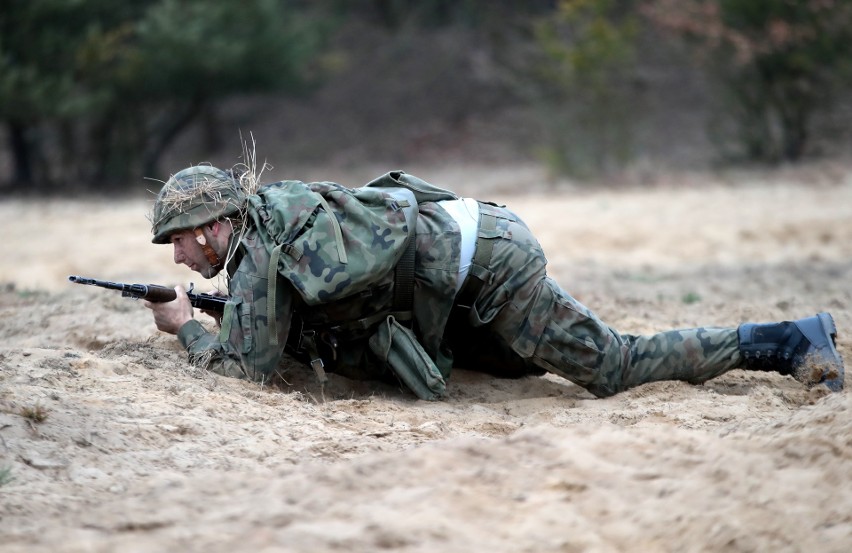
{"x":584,"y":76}
{"x":779,"y":64}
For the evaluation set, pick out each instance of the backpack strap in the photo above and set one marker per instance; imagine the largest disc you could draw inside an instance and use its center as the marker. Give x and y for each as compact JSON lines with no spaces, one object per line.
{"x":309,"y":343}
{"x":271,"y":290}
{"x":479,"y":274}
{"x":403,"y":281}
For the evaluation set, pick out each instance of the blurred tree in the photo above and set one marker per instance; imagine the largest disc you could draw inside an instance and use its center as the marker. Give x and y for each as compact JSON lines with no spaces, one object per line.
{"x":38,"y":76}
{"x":109,"y":84}
{"x":581,"y":76}
{"x":396,"y":14}
{"x":780,"y":61}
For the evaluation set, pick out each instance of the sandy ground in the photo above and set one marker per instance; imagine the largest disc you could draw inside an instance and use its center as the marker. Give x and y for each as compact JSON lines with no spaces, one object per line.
{"x":110,"y":441}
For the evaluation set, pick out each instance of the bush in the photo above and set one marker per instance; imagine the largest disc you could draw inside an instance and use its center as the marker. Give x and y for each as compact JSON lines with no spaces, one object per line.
{"x":582,"y":81}
{"x":92,"y":91}
{"x":779,"y":63}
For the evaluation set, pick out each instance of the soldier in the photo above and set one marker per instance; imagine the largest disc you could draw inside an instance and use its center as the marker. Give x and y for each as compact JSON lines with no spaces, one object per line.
{"x":410,"y":294}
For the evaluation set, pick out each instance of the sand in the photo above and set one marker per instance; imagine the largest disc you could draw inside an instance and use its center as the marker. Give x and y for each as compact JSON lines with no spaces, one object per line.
{"x":110,"y":441}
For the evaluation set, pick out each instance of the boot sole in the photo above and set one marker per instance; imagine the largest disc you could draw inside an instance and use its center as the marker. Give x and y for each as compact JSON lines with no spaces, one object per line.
{"x":827,"y":322}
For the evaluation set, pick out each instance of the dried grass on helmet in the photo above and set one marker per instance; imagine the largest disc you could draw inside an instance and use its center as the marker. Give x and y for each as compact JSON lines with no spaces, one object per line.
{"x":178,"y":199}
{"x":247,"y":174}
{"x":244,"y":177}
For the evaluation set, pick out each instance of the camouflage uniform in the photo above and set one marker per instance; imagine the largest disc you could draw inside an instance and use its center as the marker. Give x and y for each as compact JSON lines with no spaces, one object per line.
{"x":517,"y":322}
{"x":242,"y":348}
{"x":245,"y":346}
{"x":525,"y":316}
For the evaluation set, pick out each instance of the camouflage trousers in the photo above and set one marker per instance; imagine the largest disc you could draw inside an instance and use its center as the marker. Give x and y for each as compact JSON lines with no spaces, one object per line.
{"x":522,"y":321}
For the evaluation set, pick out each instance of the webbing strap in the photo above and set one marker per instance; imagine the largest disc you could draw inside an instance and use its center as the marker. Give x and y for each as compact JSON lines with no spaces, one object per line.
{"x":338,"y":233}
{"x":479,"y":271}
{"x":309,"y":342}
{"x":484,"y":248}
{"x":403,"y":276}
{"x":209,"y":252}
{"x":403,"y":279}
{"x":367,"y":323}
{"x":271,"y":289}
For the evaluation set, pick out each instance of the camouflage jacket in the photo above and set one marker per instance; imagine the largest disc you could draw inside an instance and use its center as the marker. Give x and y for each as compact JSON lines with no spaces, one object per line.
{"x":248,"y":346}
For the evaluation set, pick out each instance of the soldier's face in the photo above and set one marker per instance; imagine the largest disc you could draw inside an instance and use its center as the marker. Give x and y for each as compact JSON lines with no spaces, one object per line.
{"x":187,"y":251}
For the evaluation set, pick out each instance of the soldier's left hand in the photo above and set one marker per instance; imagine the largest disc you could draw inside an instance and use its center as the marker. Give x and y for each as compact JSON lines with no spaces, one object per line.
{"x":170,"y":316}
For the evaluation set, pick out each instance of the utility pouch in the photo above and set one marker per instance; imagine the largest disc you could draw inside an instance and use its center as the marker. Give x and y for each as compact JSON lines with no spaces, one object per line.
{"x":397,"y":346}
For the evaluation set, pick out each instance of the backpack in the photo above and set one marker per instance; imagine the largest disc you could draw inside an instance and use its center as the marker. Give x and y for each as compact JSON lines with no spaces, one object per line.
{"x":335,"y":243}
{"x":332,"y":242}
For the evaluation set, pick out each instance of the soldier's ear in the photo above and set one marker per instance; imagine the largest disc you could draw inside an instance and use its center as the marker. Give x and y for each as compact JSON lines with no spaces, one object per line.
{"x":218,"y":227}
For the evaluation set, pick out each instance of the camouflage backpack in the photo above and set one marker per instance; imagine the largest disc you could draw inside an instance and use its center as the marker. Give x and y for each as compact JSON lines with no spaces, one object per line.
{"x":332,"y":242}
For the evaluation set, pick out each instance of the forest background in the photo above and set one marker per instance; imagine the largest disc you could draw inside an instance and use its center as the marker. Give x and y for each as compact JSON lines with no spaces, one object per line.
{"x":99,"y":95}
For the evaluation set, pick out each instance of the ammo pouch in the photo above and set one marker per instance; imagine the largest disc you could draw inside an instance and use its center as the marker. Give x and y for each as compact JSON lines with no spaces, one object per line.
{"x":397,"y":346}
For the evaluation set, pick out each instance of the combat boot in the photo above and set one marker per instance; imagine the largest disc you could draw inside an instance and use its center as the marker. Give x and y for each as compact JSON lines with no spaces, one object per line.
{"x":804,"y":349}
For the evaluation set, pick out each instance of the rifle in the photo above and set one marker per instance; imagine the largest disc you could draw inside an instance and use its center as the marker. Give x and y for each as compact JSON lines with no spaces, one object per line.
{"x":156,"y":293}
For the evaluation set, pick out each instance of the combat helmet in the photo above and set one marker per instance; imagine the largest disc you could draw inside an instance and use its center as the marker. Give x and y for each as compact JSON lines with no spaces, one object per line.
{"x":192,"y":198}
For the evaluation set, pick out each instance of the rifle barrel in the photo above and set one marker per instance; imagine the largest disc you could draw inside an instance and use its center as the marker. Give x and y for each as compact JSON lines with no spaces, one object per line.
{"x":96,"y":282}
{"x":155,"y":293}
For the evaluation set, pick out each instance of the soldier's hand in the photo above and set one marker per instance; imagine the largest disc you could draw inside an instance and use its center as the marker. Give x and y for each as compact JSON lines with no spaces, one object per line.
{"x":170,"y":316}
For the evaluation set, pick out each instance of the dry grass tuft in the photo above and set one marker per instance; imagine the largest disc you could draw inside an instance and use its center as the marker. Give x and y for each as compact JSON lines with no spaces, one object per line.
{"x":200,"y":361}
{"x":37,"y":414}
